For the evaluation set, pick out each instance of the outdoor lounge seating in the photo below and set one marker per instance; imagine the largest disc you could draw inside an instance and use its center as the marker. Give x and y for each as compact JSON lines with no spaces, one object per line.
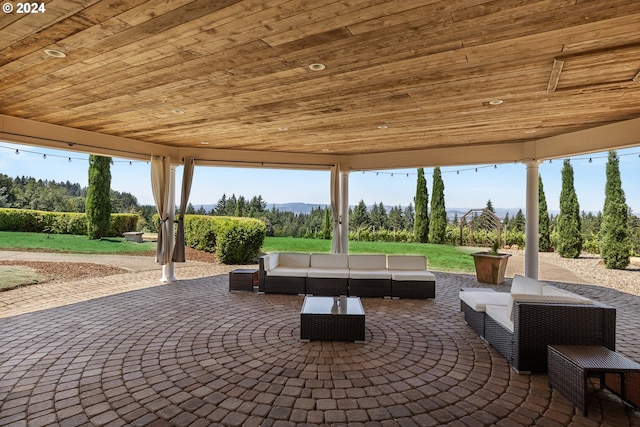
{"x":521,"y":323}
{"x":363,"y":275}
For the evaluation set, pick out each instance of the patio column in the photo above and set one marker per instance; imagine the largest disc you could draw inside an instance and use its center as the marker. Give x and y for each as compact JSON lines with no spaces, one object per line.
{"x":531,"y":233}
{"x":344,"y":211}
{"x":168,"y":270}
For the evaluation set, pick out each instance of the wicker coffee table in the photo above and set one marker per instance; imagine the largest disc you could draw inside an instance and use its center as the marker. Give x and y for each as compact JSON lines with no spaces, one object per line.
{"x":570,"y":365}
{"x":332,"y":319}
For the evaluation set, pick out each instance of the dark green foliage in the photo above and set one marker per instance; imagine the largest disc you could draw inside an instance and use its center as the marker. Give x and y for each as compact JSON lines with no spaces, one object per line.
{"x":518,"y":223}
{"x":234,"y":240}
{"x":438,"y":220}
{"x":570,"y":240}
{"x":359,"y":217}
{"x":378,"y":216}
{"x":421,"y":221}
{"x":615,"y":244}
{"x":544,"y":227}
{"x":98,"y":205}
{"x":61,"y":222}
{"x":328,"y":225}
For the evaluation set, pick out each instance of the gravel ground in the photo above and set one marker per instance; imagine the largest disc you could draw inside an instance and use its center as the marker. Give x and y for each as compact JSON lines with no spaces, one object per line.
{"x":591,"y":268}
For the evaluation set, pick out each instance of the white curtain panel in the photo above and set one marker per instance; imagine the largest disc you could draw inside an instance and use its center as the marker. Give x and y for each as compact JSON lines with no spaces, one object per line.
{"x":187,"y":178}
{"x":160,"y":183}
{"x":336,"y":244}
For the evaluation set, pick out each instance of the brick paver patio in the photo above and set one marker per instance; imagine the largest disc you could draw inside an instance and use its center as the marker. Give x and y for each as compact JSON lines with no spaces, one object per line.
{"x":125,"y":350}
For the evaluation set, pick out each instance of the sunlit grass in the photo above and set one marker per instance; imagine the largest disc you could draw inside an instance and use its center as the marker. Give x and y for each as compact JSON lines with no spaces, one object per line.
{"x":70,"y":243}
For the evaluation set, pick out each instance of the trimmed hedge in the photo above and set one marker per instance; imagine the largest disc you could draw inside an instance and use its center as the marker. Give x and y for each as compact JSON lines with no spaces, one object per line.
{"x":234,"y":240}
{"x":60,"y":222}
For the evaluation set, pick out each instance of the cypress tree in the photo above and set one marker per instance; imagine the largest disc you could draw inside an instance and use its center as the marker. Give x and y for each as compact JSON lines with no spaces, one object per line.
{"x":438,"y":220}
{"x":568,"y":222}
{"x":98,"y":204}
{"x":421,"y":221}
{"x":544,"y":228}
{"x":327,"y":227}
{"x":615,"y":245}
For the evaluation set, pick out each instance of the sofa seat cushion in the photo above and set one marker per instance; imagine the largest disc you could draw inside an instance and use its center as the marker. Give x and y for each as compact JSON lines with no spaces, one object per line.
{"x":288,"y":272}
{"x":330,"y":273}
{"x":500,"y":314}
{"x":369,"y":274}
{"x":478,"y":300}
{"x":412,"y":275}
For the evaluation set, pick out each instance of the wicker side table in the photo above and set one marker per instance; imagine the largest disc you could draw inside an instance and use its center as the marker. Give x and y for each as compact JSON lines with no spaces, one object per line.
{"x":243,"y":279}
{"x":571,"y":365}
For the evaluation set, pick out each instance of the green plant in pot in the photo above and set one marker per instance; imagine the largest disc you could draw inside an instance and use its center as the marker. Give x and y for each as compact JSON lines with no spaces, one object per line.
{"x":491,"y":266}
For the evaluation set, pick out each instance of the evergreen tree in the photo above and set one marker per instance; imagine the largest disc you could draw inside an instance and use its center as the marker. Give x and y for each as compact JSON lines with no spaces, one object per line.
{"x":409,"y":216}
{"x":98,"y":206}
{"x":544,"y":228}
{"x":395,"y":220}
{"x":359,"y":217}
{"x":327,"y":228}
{"x":421,"y":221}
{"x":615,"y":244}
{"x":518,"y":222}
{"x":378,"y":216}
{"x":568,"y":221}
{"x":438,"y":220}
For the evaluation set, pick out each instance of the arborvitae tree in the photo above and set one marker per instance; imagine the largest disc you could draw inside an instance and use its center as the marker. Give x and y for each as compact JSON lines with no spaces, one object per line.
{"x":544,"y":228}
{"x":326,"y":228}
{"x":421,"y":221}
{"x":98,"y":206}
{"x":568,"y":222}
{"x":615,"y":245}
{"x":518,"y":222}
{"x":438,"y":220}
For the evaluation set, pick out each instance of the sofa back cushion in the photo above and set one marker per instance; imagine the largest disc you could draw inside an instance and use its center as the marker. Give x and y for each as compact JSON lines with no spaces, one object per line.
{"x":270,"y":261}
{"x":329,"y":260}
{"x":293,"y":259}
{"x":406,"y":262}
{"x":525,"y":285}
{"x":367,"y":262}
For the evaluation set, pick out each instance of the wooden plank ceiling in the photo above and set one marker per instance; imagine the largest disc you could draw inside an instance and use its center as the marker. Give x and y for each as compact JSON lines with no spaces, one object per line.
{"x":399,"y":75}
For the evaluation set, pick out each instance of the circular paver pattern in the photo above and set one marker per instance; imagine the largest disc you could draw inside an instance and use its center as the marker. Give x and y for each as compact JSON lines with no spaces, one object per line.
{"x":191,"y":353}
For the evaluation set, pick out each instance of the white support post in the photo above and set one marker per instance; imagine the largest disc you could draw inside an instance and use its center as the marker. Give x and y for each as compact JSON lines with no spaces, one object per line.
{"x":168,"y":270}
{"x":344,"y":211}
{"x":531,"y":234}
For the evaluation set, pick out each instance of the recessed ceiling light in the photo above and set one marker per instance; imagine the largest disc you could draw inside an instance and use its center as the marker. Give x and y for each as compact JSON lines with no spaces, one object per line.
{"x":177,"y":111}
{"x":317,"y":67}
{"x":383,"y":127}
{"x":55,"y":53}
{"x":496,"y":102}
{"x":324,"y":150}
{"x":283,"y":129}
{"x":530,"y":131}
{"x":204,"y":142}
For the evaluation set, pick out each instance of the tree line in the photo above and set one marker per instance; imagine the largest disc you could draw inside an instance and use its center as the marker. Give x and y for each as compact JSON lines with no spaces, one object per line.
{"x":614,"y":233}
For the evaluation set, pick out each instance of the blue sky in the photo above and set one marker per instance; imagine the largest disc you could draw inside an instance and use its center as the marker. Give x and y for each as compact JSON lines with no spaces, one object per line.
{"x":504,"y":184}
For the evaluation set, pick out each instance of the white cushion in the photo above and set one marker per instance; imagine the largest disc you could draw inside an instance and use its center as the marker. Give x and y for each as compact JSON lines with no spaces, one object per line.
{"x":525,"y":285}
{"x":553,"y":291}
{"x":288,"y":272}
{"x":335,"y":273}
{"x":370,"y":274}
{"x":270,"y":261}
{"x":293,"y":259}
{"x":406,"y":262}
{"x":330,"y":260}
{"x":367,"y":262}
{"x":478,"y":300}
{"x":413,"y":275}
{"x":499,"y":314}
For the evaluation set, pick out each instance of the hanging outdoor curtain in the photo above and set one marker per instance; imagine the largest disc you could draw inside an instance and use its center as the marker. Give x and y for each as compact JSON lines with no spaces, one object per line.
{"x":160,"y":170}
{"x":187,"y":178}
{"x":336,"y":244}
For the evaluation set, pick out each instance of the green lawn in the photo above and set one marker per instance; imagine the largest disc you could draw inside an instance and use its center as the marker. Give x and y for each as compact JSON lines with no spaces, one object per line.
{"x":440,"y":257}
{"x":70,"y":243}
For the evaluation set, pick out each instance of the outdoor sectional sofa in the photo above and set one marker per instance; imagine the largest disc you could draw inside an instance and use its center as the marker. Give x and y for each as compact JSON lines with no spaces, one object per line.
{"x":362,"y":275}
{"x":521,"y":323}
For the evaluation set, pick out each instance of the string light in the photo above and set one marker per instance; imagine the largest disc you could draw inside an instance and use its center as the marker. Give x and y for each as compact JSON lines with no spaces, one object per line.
{"x":17,"y":151}
{"x":44,"y":156}
{"x":69,"y":159}
{"x":590,"y":160}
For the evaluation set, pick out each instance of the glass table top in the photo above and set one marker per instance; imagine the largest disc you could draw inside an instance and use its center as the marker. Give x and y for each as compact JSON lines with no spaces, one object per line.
{"x":332,"y":305}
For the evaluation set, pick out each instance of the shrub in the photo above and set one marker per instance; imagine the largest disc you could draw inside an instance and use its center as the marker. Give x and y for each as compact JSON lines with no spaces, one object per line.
{"x":60,"y":222}
{"x":234,"y":240}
